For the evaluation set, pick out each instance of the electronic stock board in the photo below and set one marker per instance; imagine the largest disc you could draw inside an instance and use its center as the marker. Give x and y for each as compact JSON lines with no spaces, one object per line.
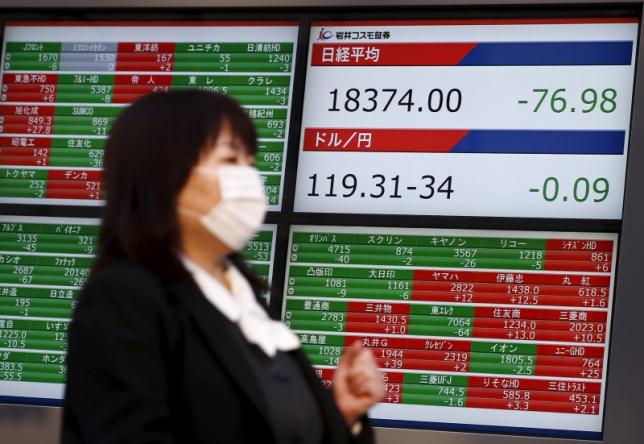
{"x":62,"y":87}
{"x":474,"y":329}
{"x":465,"y":119}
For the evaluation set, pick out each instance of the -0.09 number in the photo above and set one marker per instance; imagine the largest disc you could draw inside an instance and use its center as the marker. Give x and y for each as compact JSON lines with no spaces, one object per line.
{"x":581,"y":189}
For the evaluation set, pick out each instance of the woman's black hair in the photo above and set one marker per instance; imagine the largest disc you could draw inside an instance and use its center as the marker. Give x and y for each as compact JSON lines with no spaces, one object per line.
{"x":152,"y":148}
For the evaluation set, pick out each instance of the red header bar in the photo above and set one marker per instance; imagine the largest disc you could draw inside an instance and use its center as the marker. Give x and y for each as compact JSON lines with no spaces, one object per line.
{"x":146,"y":47}
{"x":382,"y":140}
{"x":579,"y":245}
{"x":389,"y":54}
{"x":503,"y":277}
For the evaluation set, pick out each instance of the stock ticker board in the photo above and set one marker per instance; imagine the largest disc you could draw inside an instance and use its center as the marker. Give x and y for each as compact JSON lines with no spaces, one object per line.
{"x":469,"y":119}
{"x":515,"y":323}
{"x":64,"y":85}
{"x":474,"y":329}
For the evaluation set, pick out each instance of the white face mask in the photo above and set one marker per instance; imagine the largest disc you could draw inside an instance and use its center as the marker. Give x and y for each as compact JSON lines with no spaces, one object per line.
{"x":240,"y":213}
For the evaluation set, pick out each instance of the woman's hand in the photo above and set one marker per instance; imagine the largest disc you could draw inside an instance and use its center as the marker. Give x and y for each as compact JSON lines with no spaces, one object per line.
{"x":358,"y":383}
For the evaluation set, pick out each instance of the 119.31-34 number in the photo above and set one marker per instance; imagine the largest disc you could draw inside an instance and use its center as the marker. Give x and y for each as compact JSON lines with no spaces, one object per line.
{"x":379,"y":186}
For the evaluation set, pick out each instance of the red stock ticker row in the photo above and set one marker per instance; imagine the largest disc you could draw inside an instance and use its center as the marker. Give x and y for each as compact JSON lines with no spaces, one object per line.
{"x":63,"y":184}
{"x":571,"y":290}
{"x":43,"y":88}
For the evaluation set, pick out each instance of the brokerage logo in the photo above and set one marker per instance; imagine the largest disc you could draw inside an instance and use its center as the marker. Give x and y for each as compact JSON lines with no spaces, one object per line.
{"x":325,"y":35}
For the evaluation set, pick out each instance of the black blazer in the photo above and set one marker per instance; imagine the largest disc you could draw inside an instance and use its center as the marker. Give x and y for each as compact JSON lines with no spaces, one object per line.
{"x":153,"y":362}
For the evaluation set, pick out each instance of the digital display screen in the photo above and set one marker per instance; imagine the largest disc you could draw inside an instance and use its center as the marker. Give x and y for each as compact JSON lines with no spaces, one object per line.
{"x":523,"y":118}
{"x":44,"y":262}
{"x":474,"y":330}
{"x":498,"y":331}
{"x":63,"y":85}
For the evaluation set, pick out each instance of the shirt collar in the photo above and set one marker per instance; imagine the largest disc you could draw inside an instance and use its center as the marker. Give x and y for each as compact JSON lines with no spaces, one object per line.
{"x":227,"y":302}
{"x":240,"y":306}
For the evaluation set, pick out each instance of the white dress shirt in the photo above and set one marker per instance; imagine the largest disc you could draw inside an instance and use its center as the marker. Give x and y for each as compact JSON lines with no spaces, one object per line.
{"x":240,"y":306}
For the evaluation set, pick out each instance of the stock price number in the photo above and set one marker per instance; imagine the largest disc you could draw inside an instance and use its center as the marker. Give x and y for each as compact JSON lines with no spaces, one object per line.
{"x":384,"y":99}
{"x":379,"y":186}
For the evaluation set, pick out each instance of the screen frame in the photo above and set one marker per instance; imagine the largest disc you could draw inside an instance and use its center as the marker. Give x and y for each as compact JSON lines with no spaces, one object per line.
{"x":443,"y":432}
{"x":621,"y":423}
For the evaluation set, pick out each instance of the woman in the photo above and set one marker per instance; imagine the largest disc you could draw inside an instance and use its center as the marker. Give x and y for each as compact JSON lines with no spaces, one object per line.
{"x":169,"y":343}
